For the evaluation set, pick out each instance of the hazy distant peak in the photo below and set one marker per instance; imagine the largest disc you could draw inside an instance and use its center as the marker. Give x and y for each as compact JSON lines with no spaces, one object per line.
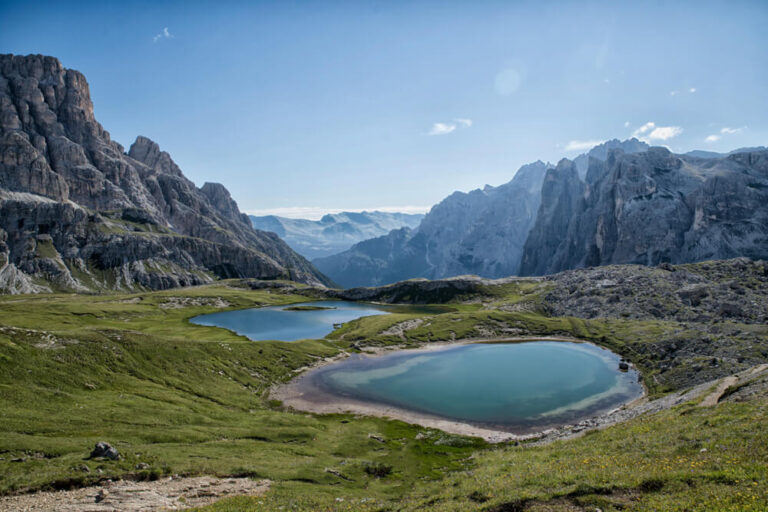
{"x":334,"y":232}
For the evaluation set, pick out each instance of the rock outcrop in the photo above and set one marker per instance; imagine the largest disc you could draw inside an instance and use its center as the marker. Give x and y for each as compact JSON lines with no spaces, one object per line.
{"x":79,"y":213}
{"x":650,"y":208}
{"x":600,"y":152}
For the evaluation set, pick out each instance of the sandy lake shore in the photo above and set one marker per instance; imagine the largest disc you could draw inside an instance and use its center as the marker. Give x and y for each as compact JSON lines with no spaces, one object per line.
{"x":302,"y":394}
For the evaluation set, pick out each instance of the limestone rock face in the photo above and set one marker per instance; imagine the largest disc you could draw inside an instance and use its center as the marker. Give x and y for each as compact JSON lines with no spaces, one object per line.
{"x":79,"y":213}
{"x":622,"y":202}
{"x":481,"y":232}
{"x":649,"y":208}
{"x":600,"y":152}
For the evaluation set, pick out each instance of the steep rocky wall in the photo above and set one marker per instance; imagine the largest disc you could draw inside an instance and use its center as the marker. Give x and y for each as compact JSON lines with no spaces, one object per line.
{"x":649,"y":208}
{"x":61,"y":175}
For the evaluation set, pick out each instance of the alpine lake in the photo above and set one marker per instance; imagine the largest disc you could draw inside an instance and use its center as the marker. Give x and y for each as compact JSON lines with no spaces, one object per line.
{"x":512,"y":386}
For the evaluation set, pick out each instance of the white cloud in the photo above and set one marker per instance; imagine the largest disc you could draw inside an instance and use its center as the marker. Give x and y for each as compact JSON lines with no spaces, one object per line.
{"x":643,"y":129}
{"x":582,"y":145}
{"x":446,"y":128}
{"x":665,"y":132}
{"x":441,"y":129}
{"x":673,"y":93}
{"x":649,"y":132}
{"x":317,"y":212}
{"x":165,"y":34}
{"x":626,"y":124}
{"x":724,"y":131}
{"x":692,"y":90}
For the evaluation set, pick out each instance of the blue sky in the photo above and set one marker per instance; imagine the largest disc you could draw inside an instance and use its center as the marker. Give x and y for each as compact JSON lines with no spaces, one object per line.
{"x":352,"y":105}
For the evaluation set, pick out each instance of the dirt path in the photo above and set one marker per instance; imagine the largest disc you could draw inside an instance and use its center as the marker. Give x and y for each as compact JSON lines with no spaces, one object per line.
{"x":714,"y":397}
{"x":126,"y":496}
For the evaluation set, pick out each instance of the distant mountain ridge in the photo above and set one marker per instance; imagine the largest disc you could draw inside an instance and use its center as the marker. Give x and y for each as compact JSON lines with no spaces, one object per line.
{"x":78,"y":213}
{"x":334,"y":232}
{"x":622,"y":202}
{"x":712,"y":154}
{"x":479,"y":232}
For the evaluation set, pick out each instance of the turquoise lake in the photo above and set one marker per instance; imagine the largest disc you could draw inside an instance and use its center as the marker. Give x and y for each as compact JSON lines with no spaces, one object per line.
{"x":518,"y":385}
{"x":283,"y":324}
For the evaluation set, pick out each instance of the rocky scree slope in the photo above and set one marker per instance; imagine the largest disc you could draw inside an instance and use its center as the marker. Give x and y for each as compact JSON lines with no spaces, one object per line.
{"x":78,"y":213}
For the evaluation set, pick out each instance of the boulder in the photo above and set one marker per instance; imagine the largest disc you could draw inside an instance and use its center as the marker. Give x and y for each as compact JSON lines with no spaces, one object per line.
{"x":104,"y":450}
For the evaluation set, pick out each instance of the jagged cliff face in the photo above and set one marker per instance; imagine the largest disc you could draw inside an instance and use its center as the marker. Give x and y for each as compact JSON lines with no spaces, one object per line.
{"x":650,"y":208}
{"x":600,"y":152}
{"x":481,"y":232}
{"x":610,"y":206}
{"x":78,"y":213}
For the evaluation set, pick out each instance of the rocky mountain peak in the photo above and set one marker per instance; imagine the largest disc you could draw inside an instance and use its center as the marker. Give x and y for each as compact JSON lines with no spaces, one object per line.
{"x":148,"y":152}
{"x":602,"y":151}
{"x":477,"y":232}
{"x":81,"y":214}
{"x":220,"y":198}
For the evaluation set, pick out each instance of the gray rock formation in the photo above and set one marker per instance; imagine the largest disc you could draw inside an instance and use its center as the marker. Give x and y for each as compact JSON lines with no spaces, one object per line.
{"x":104,"y":450}
{"x":640,"y":205}
{"x":649,"y":208}
{"x":481,"y":232}
{"x":336,"y":232}
{"x":78,"y":213}
{"x":600,"y":152}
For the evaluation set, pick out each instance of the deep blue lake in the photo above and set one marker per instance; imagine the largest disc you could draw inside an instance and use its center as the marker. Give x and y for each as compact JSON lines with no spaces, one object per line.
{"x":284,"y":323}
{"x":521,"y":385}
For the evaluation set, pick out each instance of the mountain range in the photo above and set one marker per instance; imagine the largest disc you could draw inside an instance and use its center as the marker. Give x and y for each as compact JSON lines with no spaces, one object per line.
{"x":334,"y":232}
{"x":78,"y":213}
{"x":622,"y":202}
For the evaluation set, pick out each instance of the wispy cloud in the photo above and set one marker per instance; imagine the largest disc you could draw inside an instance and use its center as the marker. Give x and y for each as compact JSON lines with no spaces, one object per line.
{"x":441,"y":129}
{"x":724,"y":131}
{"x":582,"y":145}
{"x":626,"y":124}
{"x":317,"y":212}
{"x":446,"y":128}
{"x":649,"y":132}
{"x":690,"y":90}
{"x":165,"y":34}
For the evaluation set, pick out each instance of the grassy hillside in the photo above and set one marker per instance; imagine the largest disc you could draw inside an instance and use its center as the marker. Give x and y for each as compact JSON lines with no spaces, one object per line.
{"x":177,"y":398}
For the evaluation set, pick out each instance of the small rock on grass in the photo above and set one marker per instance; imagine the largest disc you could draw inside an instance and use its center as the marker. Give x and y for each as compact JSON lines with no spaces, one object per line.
{"x":105,"y":450}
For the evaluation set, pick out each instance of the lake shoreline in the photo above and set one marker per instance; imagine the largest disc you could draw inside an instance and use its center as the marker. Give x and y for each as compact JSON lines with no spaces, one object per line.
{"x":302,"y":394}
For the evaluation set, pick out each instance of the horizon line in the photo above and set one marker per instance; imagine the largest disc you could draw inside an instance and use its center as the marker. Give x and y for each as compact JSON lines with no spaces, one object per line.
{"x":317,"y":212}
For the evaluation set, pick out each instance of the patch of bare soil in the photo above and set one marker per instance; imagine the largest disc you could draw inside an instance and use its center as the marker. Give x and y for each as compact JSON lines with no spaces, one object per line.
{"x":127,"y":496}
